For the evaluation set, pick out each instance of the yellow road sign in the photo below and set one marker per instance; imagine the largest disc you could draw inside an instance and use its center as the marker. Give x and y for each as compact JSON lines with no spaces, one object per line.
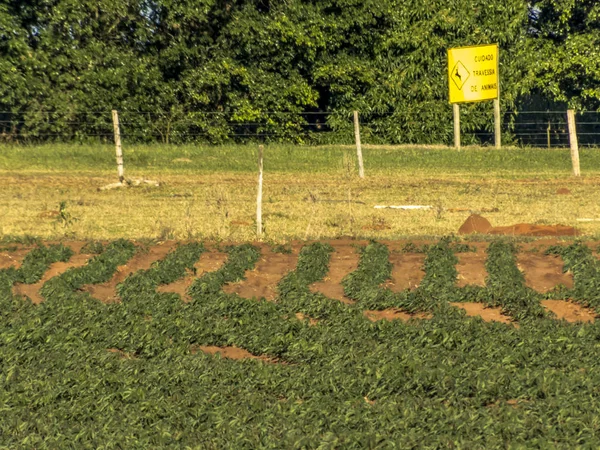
{"x":473,"y":73}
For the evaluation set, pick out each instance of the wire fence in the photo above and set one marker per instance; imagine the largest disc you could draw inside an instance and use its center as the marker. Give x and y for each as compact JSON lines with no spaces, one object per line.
{"x":520,"y":128}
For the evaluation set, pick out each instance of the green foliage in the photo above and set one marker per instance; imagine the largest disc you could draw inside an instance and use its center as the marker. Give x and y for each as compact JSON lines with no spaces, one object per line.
{"x":98,"y":270}
{"x":506,"y":284}
{"x":39,"y":259}
{"x":78,"y":373}
{"x":241,"y":258}
{"x":578,"y":259}
{"x":214,"y":71}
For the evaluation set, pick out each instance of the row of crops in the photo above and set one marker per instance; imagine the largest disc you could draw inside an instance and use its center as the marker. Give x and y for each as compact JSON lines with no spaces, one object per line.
{"x":79,"y":373}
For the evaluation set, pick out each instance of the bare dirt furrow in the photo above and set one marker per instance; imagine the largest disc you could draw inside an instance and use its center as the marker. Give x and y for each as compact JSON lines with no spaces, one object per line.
{"x":262,"y":281}
{"x":209,"y":262}
{"x":58,"y":268}
{"x":488,"y":314}
{"x":407,"y":271}
{"x":571,"y":312}
{"x":393,"y":314}
{"x":142,"y":260}
{"x":13,"y":258}
{"x":344,"y":260}
{"x":471,"y":269}
{"x":543,"y":272}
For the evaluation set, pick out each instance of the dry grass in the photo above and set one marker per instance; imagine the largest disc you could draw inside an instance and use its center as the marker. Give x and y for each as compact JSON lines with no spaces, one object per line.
{"x":221,"y":206}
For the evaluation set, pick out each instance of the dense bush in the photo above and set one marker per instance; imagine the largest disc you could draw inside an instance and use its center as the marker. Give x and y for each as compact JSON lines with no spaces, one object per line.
{"x":217,"y":70}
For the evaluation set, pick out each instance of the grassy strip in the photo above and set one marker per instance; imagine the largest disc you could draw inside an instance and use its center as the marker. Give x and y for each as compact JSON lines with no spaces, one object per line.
{"x":293,"y":158}
{"x":578,"y":258}
{"x":241,"y":258}
{"x":506,"y":284}
{"x":99,"y":269}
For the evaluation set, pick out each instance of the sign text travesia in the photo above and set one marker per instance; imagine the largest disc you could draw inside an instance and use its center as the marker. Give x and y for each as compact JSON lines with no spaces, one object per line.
{"x":473,"y":73}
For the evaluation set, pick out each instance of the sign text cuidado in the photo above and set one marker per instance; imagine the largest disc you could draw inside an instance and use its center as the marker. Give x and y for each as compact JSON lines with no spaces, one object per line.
{"x":473,"y":73}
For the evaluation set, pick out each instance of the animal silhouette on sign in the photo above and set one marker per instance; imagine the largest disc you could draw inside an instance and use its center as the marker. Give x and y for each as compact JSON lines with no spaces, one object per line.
{"x":457,"y":75}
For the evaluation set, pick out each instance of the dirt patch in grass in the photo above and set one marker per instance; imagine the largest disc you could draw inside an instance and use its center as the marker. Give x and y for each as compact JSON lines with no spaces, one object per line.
{"x":142,"y":260}
{"x":563,"y":191}
{"x":233,"y":352}
{"x":263,"y":280}
{"x":209,"y":262}
{"x":543,"y":272}
{"x":471,"y":269}
{"x":344,"y":260}
{"x":303,"y":317}
{"x":569,"y":311}
{"x":488,"y":314}
{"x":394,"y":314}
{"x":121,"y":353}
{"x":58,"y":268}
{"x":407,"y":271}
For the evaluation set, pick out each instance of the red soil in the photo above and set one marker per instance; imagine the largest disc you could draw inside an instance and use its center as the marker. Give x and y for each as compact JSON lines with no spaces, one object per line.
{"x":471,"y":269}
{"x":13,"y":258}
{"x":543,"y":273}
{"x":480,"y":225}
{"x":525,"y":229}
{"x":487,"y":314}
{"x":475,"y":224}
{"x":107,"y":292}
{"x":563,"y":191}
{"x":344,"y":260}
{"x":394,"y":314}
{"x":303,"y":317}
{"x":209,"y":262}
{"x":571,"y":312}
{"x":121,"y":353}
{"x":33,"y":290}
{"x":229,"y":352}
{"x":407,"y":271}
{"x":262,"y":281}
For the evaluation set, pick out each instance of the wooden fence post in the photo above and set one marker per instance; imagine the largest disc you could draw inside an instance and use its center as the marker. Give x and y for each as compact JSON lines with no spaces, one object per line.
{"x":456,"y":111}
{"x":497,"y":128}
{"x":117,"y":131}
{"x":573,"y":142}
{"x":259,"y":227}
{"x":361,"y":169}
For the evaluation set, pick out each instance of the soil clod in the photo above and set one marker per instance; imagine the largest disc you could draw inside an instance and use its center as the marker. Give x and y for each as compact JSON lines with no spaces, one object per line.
{"x":475,"y":224}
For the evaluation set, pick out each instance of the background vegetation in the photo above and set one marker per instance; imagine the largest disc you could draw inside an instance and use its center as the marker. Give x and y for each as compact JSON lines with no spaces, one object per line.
{"x":216,"y":70}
